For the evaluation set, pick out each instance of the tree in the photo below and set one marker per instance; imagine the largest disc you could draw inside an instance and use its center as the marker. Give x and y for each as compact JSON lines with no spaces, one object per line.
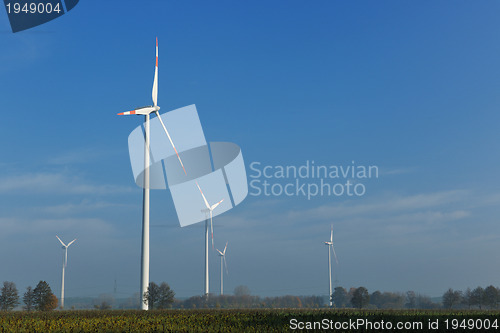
{"x":360,"y":297}
{"x":43,"y":297}
{"x":9,"y":297}
{"x":491,"y":296}
{"x":194,"y":302}
{"x":167,"y":296}
{"x":241,"y":291}
{"x":411,"y":300}
{"x":51,"y":303}
{"x":28,"y":299}
{"x":312,"y":301}
{"x":377,"y":299}
{"x":151,"y":295}
{"x":390,"y":300}
{"x":161,"y":295}
{"x":467,"y":298}
{"x":133,"y":302}
{"x":477,"y":297}
{"x":451,"y":298}
{"x":339,"y":297}
{"x":425,"y":302}
{"x":104,"y":302}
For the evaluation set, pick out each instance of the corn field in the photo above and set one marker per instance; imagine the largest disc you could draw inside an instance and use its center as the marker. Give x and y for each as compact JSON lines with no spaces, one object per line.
{"x":248,"y":320}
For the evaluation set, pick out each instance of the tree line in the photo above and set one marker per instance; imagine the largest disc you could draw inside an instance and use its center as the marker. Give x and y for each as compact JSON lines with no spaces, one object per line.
{"x":478,"y":298}
{"x":41,"y":298}
{"x":162,"y":297}
{"x":361,"y":298}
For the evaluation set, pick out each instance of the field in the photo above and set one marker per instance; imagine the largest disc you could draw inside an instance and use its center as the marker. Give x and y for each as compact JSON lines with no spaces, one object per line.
{"x":263,"y":320}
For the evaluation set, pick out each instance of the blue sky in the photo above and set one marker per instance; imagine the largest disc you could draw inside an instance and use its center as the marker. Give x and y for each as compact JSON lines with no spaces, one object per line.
{"x":411,"y":87}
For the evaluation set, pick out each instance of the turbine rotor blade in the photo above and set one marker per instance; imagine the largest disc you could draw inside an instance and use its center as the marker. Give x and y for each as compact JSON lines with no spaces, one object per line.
{"x":221,"y":254}
{"x":204,"y":199}
{"x":71,"y":242}
{"x":335,"y":255}
{"x":61,"y":241}
{"x":126,"y":113}
{"x":212,"y":229}
{"x":225,"y":247}
{"x":215,"y":205}
{"x":170,"y":139}
{"x":331,"y":235}
{"x":154,"y":93}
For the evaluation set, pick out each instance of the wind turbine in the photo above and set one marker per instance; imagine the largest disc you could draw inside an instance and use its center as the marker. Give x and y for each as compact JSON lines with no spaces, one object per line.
{"x":146,"y":111}
{"x":330,"y":245}
{"x":210,"y":210}
{"x":222,"y":256}
{"x":65,"y":263}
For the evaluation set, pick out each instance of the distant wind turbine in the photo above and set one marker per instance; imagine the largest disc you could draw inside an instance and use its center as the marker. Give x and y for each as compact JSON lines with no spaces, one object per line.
{"x":209,"y":209}
{"x":146,"y":111}
{"x":330,"y":245}
{"x":222,"y":256}
{"x":65,"y":263}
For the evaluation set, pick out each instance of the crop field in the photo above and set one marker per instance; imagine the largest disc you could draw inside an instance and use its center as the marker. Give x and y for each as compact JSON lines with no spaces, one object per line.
{"x":262,"y":320}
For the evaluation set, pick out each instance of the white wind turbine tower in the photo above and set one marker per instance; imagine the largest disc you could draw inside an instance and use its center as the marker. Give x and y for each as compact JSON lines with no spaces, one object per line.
{"x":330,"y":245}
{"x":209,"y":209}
{"x":64,"y":264}
{"x":146,"y":111}
{"x":222,"y":256}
